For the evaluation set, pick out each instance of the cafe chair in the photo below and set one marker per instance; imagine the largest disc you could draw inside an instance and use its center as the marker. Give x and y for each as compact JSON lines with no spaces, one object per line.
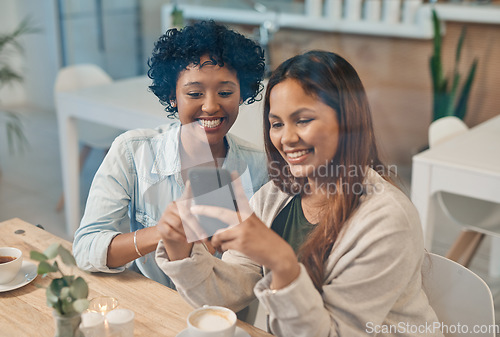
{"x":476,"y":217}
{"x":91,"y":135}
{"x":460,"y":298}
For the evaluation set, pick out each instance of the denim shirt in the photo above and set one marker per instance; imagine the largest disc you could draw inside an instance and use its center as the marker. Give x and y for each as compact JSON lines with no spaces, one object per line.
{"x":139,"y":177}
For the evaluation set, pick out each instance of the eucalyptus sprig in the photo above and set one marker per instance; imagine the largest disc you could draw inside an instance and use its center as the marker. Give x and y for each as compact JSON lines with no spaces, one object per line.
{"x":67,"y":294}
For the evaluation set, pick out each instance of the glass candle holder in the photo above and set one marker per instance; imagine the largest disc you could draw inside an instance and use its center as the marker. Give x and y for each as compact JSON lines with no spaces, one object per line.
{"x":121,"y":322}
{"x":102,"y":304}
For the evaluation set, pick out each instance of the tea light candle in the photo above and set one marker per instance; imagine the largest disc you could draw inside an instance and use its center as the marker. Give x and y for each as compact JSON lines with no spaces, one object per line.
{"x":92,"y":324}
{"x":121,"y":322}
{"x":103,"y":304}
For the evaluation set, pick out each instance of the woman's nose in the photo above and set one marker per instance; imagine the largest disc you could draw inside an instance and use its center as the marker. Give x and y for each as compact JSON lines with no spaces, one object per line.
{"x":289,"y":136}
{"x":210,"y":105}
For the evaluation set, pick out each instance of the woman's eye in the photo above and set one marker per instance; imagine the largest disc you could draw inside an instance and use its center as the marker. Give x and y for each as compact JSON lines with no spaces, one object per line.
{"x":276,"y":125}
{"x":225,"y":93}
{"x":304,"y":121}
{"x":194,"y":94}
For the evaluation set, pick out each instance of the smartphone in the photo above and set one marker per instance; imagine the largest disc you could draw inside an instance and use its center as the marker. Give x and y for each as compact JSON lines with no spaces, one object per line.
{"x":212,"y":187}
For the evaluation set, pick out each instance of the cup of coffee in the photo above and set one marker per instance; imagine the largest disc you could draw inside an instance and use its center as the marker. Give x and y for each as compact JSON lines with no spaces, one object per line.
{"x":211,"y":321}
{"x":11,"y":260}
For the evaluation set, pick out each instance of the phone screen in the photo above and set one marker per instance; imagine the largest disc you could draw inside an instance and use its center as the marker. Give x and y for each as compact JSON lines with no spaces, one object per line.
{"x":212,"y":187}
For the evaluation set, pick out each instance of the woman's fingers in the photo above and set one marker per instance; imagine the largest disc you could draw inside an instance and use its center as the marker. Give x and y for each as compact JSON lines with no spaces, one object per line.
{"x":227,"y":216}
{"x":241,"y":198}
{"x":188,"y":191}
{"x":192,"y":228}
{"x":222,"y":237}
{"x":169,"y":224}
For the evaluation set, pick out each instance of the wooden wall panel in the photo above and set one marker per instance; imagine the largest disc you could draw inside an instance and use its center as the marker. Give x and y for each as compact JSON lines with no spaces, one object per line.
{"x":396,"y":76}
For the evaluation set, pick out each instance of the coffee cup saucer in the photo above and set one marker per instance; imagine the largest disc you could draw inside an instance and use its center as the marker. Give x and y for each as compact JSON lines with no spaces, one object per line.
{"x":26,"y":274}
{"x":238,"y":333}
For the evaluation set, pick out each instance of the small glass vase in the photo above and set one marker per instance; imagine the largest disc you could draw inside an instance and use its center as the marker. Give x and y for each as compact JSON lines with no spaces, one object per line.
{"x":67,"y":326}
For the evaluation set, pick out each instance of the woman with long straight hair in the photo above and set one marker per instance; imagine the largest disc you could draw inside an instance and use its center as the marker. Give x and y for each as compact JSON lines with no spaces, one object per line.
{"x":329,"y":246}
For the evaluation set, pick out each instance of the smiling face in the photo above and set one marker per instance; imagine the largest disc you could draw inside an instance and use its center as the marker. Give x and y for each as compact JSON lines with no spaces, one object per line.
{"x":209,"y":96}
{"x":304,"y":130}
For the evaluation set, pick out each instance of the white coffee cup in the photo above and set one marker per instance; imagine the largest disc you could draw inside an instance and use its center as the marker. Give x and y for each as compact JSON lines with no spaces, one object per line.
{"x":9,"y":270}
{"x":211,"y":321}
{"x":121,"y":322}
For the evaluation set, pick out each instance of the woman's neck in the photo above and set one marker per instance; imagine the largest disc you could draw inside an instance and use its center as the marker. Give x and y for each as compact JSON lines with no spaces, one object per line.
{"x":194,"y":151}
{"x":312,"y":202}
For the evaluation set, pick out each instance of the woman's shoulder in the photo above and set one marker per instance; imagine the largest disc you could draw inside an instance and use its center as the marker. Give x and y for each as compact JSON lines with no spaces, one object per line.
{"x":385,"y":211}
{"x":149,"y":134}
{"x":269,"y":200}
{"x":244,"y":145}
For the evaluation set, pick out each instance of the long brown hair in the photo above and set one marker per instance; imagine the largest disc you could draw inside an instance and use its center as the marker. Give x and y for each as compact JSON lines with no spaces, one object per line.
{"x":334,"y":81}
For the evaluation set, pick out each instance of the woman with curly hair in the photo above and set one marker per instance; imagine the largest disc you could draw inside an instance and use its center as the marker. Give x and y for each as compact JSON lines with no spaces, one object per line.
{"x":201,"y":74}
{"x":330,"y":246}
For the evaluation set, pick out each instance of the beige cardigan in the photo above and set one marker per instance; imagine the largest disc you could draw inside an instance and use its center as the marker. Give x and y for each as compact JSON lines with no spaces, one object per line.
{"x":373,"y":283}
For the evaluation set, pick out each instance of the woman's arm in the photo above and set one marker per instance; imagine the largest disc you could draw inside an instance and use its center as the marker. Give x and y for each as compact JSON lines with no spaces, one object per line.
{"x":204,"y":279}
{"x":125,"y":248}
{"x":106,"y":210}
{"x":372,"y":277}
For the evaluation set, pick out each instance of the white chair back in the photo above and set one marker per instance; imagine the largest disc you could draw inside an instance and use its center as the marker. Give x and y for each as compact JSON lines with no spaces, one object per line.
{"x":459,"y":297}
{"x":81,"y":76}
{"x":444,"y":129}
{"x":479,"y":215}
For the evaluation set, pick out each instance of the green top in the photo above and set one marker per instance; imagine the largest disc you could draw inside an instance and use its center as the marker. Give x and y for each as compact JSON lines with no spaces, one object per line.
{"x":291,"y":224}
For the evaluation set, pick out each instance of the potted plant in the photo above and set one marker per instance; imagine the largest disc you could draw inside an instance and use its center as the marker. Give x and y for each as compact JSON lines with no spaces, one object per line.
{"x":448,"y":99}
{"x":67,"y":295}
{"x":9,"y":45}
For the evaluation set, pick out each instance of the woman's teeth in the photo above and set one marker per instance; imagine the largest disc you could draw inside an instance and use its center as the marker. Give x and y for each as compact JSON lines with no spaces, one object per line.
{"x":298,"y":154}
{"x":210,"y":123}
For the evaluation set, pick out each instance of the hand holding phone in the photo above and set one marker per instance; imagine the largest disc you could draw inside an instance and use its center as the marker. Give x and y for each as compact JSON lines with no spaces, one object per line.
{"x":212,"y":187}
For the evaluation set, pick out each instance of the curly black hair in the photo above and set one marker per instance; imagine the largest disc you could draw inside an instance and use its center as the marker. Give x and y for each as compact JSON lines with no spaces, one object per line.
{"x":177,"y":49}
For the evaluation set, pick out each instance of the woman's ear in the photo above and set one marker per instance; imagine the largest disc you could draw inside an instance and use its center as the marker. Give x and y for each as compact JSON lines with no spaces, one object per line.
{"x":241,"y":101}
{"x":173,"y":103}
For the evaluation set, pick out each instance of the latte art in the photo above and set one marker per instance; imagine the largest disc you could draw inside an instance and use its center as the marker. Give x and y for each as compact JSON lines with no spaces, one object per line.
{"x":211,"y":320}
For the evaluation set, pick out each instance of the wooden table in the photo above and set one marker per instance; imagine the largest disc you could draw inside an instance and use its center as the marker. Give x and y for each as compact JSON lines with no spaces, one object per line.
{"x":159,"y":311}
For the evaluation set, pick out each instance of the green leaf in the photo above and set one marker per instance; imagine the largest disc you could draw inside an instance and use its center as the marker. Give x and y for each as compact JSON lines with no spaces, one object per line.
{"x":57,"y":285}
{"x":66,"y":294}
{"x":37,"y":256}
{"x":15,"y":135}
{"x":460,"y":44}
{"x":57,"y":307}
{"x":446,"y":100}
{"x":463,"y":99}
{"x":55,"y":265}
{"x":51,"y":251}
{"x":80,"y":305}
{"x":79,"y":289}
{"x":67,"y":307}
{"x":45,"y":268}
{"x":51,"y":297}
{"x":66,"y":256}
{"x":436,"y":24}
{"x":69,"y":279}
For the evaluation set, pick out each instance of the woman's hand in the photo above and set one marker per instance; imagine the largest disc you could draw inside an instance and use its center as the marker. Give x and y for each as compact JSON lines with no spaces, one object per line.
{"x":175,"y":222}
{"x":253,"y":238}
